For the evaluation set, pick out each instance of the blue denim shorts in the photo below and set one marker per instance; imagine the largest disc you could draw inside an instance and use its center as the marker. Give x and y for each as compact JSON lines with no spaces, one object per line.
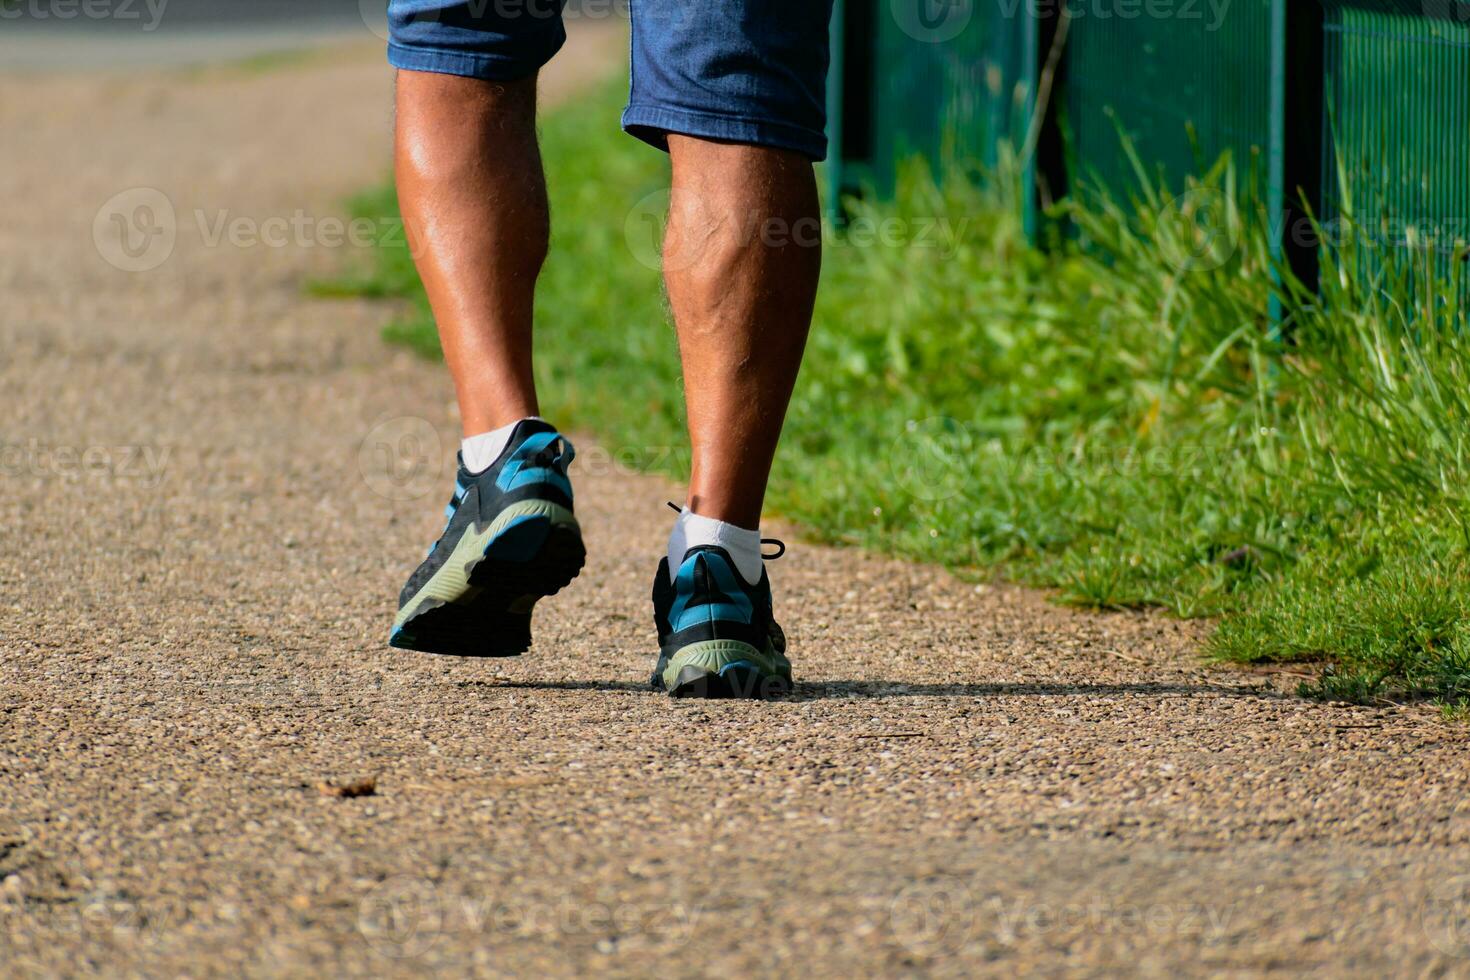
{"x":741,"y":71}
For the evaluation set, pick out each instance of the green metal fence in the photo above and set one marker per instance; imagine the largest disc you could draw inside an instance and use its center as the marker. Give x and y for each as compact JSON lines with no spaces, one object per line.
{"x":1182,"y":89}
{"x":1398,"y":123}
{"x":976,"y":87}
{"x":1319,"y":102}
{"x":933,"y":78}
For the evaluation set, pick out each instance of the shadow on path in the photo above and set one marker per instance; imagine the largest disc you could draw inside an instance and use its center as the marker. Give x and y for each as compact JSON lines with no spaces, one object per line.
{"x":820,"y":690}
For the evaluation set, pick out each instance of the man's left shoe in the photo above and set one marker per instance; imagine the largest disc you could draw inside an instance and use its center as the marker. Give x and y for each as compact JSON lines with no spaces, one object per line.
{"x":717,"y":635}
{"x":510,"y":540}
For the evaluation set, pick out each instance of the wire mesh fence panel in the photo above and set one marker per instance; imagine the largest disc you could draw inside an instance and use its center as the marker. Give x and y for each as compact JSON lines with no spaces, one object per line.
{"x":1398,"y":131}
{"x":1186,"y":84}
{"x":1334,"y":107}
{"x":953,"y":79}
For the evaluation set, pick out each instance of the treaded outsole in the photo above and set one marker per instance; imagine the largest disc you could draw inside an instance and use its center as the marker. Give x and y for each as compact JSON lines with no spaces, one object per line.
{"x":494,"y":619}
{"x":736,"y":681}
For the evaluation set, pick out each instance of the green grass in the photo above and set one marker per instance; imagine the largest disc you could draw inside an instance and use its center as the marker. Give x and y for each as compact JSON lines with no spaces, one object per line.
{"x":1114,"y":418}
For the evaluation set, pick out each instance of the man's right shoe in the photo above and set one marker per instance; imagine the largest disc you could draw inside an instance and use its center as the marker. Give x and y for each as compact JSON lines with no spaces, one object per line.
{"x":717,"y":635}
{"x":510,"y":540}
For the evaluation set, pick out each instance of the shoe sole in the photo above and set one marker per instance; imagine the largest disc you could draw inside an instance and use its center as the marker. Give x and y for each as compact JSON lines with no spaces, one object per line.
{"x":721,"y":669}
{"x":479,"y":603}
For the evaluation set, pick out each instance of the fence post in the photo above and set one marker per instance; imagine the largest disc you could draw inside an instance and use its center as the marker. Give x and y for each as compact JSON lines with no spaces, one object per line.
{"x":1303,"y":136}
{"x":836,"y":82}
{"x":850,"y":95}
{"x":1030,"y":41}
{"x":1050,"y":176}
{"x":1276,"y":155}
{"x":1295,"y":164}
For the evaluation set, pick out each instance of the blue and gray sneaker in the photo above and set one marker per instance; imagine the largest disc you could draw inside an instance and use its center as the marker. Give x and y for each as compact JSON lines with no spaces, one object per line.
{"x":510,"y":540}
{"x":717,"y":636}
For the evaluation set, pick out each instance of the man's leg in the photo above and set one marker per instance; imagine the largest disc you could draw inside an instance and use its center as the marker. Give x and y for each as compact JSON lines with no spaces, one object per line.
{"x":473,"y":195}
{"x":742,"y":258}
{"x":742,"y":254}
{"x":735,"y":91}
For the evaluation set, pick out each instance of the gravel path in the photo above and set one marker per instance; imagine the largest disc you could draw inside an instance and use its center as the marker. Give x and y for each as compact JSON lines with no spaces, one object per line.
{"x":212,"y":487}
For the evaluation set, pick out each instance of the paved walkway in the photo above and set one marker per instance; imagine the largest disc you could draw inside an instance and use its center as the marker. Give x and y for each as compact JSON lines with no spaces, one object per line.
{"x":211,"y":488}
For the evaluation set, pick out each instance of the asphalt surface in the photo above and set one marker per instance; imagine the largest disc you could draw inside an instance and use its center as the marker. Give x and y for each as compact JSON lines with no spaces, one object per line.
{"x":212,"y":487}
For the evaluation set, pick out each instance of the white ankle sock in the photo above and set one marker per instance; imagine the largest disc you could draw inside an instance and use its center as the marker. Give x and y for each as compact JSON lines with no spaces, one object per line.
{"x":691,"y":531}
{"x":481,"y":451}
